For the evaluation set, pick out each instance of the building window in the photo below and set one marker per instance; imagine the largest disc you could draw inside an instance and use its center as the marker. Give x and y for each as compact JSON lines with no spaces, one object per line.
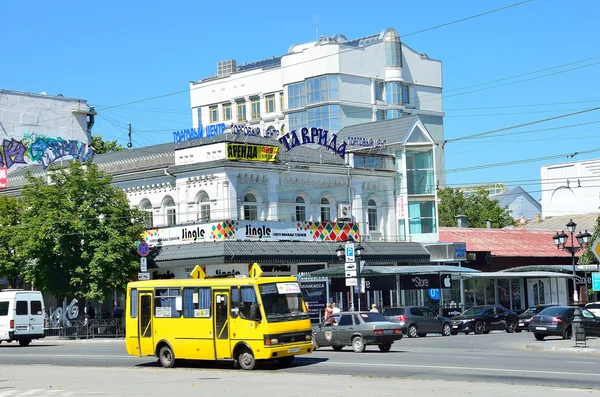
{"x":405,"y":92}
{"x":270,"y":103}
{"x":421,"y":217}
{"x":300,"y":209}
{"x":372,"y":215}
{"x":281,"y":101}
{"x":255,"y":105}
{"x":282,"y":130}
{"x":325,"y":210}
{"x":326,"y":117}
{"x":170,"y":212}
{"x":297,"y":120}
{"x":241,"y":111}
{"x":393,"y":49}
{"x":393,"y":93}
{"x":250,"y":207}
{"x":379,"y":90}
{"x":296,"y":95}
{"x":214,"y":113}
{"x":226,"y":111}
{"x":419,"y":171}
{"x":146,"y":206}
{"x":392,"y":114}
{"x":203,"y":208}
{"x":323,"y":88}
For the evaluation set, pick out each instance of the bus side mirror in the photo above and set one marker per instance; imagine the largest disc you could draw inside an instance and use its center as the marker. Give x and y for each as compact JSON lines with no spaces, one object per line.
{"x":255,"y":312}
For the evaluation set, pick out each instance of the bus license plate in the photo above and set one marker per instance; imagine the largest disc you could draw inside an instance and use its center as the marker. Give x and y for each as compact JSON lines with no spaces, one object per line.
{"x":294,"y":350}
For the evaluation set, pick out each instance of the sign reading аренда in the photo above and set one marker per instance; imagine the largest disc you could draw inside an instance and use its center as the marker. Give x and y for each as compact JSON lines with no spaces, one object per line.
{"x":244,"y":151}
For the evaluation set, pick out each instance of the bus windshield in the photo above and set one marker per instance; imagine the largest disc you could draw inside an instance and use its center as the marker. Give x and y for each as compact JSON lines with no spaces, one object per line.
{"x":282,"y":302}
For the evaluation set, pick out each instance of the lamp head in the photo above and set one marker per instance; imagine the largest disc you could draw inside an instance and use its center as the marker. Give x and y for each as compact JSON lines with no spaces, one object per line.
{"x":571,"y":226}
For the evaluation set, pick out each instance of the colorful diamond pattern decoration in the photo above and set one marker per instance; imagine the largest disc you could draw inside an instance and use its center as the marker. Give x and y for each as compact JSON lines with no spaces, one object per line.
{"x":223,"y":230}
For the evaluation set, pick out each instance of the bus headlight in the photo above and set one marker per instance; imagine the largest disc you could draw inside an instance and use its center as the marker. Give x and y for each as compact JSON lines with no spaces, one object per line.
{"x":269,"y":341}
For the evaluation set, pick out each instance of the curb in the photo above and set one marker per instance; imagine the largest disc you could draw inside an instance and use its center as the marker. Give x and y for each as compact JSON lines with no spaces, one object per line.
{"x":578,"y":350}
{"x":91,"y":340}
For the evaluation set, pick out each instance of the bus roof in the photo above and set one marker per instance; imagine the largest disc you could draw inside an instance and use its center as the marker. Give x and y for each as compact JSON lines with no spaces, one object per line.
{"x":216,"y":281}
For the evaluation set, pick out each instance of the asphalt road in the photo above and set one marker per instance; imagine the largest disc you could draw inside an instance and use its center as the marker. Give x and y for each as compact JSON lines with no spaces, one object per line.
{"x":497,"y":357}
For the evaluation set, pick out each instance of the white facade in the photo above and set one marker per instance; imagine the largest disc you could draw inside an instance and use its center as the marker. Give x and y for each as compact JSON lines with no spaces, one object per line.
{"x":331,"y":84}
{"x":570,"y":188}
{"x":40,"y":129}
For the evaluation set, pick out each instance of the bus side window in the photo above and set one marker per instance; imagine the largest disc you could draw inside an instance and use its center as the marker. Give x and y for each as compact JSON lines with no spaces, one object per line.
{"x":164,"y":302}
{"x":235,"y":302}
{"x":248,"y":295}
{"x":133,"y":300}
{"x":196,"y":302}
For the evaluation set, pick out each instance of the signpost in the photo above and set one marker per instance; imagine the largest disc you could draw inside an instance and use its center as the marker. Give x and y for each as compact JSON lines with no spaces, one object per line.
{"x":143,"y":248}
{"x":144,"y":276}
{"x":143,"y":264}
{"x":596,"y":281}
{"x":351,"y":279}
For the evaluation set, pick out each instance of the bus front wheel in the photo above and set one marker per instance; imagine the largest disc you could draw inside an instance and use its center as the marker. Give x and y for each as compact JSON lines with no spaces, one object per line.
{"x":166,"y":357}
{"x":246,"y":359}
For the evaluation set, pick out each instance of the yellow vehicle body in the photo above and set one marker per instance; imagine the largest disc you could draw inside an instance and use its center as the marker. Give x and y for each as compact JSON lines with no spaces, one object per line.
{"x":217,"y":319}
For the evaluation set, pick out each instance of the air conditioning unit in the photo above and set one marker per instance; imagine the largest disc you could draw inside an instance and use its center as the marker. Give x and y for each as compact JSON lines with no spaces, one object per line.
{"x":344,"y":211}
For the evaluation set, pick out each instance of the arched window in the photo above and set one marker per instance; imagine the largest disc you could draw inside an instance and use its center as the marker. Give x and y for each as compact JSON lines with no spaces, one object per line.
{"x":372,"y":215}
{"x":147,"y":207}
{"x":325,"y":210}
{"x":300,"y":209}
{"x":282,"y":130}
{"x":250,"y":207}
{"x":393,"y":49}
{"x":170,"y":212}
{"x":203,"y":207}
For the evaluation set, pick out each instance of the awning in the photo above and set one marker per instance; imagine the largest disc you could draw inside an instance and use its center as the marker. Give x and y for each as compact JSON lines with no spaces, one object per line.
{"x":532,"y":274}
{"x":237,"y":251}
{"x":337,"y":272}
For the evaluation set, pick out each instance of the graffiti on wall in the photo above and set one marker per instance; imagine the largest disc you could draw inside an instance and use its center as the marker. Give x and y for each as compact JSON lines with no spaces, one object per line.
{"x":42,"y":150}
{"x":62,"y":316}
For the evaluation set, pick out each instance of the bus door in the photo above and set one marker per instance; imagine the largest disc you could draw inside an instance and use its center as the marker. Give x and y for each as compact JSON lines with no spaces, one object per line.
{"x":145,"y":334}
{"x":221,"y":324}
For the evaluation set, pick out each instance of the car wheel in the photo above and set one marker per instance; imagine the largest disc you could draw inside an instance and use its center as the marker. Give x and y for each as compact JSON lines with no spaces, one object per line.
{"x":285,"y":361}
{"x":479,"y":327}
{"x":337,"y":348}
{"x":518,"y":330}
{"x":568,"y":333}
{"x":510,"y":327}
{"x":246,"y":359}
{"x":446,"y":330}
{"x":166,"y":357}
{"x":539,"y":336}
{"x":385,"y":347}
{"x":358,"y":344}
{"x":24,"y":342}
{"x":315,"y":344}
{"x":412,"y":331}
{"x":422,"y":335}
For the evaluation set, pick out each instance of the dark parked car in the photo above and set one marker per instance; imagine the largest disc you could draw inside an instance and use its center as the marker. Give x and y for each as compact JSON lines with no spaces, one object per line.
{"x":356,"y":329}
{"x":418,"y":320}
{"x":483,"y":319}
{"x":524,"y":318}
{"x":557,"y":320}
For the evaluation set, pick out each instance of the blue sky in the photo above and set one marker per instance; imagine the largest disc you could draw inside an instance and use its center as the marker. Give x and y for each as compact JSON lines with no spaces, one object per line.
{"x":111,"y":53}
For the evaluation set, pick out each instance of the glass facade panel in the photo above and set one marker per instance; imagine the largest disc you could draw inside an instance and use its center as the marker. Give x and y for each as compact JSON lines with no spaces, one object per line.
{"x":326,"y":117}
{"x":334,"y":87}
{"x":405,"y":92}
{"x":419,"y":172}
{"x":393,"y":50}
{"x":392,"y":114}
{"x":421,"y":217}
{"x":297,"y":120}
{"x":393,"y":93}
{"x":296,"y":95}
{"x":379,"y":90}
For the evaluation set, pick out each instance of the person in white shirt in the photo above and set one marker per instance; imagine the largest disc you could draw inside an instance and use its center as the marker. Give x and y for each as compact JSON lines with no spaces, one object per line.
{"x":334,"y":308}
{"x":374,"y":308}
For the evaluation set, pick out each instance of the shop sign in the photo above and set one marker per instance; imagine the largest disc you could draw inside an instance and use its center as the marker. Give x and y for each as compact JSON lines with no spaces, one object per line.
{"x":315,"y":135}
{"x":243,"y":151}
{"x":201,"y":132}
{"x":240,"y":129}
{"x":425,"y":281}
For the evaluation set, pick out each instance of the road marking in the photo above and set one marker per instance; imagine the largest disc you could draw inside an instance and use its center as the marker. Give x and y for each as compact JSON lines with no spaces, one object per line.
{"x":469,"y":357}
{"x":95,"y":356}
{"x":582,"y":362}
{"x":408,"y":366}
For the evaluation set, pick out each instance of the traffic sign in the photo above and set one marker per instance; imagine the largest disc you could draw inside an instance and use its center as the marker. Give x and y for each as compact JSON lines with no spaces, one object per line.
{"x":350,"y":266}
{"x":350,"y":273}
{"x":144,"y":276}
{"x":596,"y":249}
{"x":351,"y":282}
{"x":143,"y":248}
{"x":143,"y":264}
{"x":350,"y":252}
{"x":596,"y":281}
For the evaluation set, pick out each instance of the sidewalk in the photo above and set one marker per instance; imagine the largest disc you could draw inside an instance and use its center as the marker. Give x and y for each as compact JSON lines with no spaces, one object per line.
{"x":553,"y":343}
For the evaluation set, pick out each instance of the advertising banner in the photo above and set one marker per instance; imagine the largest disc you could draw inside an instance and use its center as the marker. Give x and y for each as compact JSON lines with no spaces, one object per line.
{"x":244,"y":151}
{"x":252,"y":230}
{"x":314,"y":294}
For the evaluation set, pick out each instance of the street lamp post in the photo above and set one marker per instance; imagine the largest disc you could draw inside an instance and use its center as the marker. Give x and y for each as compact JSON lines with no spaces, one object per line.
{"x":358,"y":251}
{"x":583,"y":239}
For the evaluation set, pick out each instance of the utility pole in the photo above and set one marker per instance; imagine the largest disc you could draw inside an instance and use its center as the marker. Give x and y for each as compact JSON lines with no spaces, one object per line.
{"x":129,"y":144}
{"x":316,"y":23}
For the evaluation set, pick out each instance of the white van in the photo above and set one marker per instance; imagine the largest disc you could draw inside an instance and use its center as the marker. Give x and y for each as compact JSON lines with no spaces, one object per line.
{"x":21,"y":316}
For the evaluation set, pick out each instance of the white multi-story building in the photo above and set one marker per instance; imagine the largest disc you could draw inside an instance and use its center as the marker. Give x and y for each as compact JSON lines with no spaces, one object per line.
{"x":331,"y":83}
{"x":571,"y":188}
{"x":40,"y":129}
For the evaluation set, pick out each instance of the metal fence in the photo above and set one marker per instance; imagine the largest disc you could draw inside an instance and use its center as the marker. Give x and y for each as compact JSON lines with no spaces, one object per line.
{"x":89,"y":329}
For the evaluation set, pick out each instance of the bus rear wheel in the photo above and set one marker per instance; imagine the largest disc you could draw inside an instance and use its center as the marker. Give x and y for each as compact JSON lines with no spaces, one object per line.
{"x":246,"y":359}
{"x":166,"y":357}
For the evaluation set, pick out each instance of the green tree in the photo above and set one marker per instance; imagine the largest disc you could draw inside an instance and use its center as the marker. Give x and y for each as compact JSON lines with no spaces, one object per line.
{"x":12,"y":261}
{"x":81,"y":232}
{"x":101,"y":146}
{"x":477,"y":207}
{"x":588,"y":258}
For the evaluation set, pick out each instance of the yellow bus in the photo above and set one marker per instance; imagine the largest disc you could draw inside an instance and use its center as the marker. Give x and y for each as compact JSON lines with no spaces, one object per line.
{"x":242,"y":319}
